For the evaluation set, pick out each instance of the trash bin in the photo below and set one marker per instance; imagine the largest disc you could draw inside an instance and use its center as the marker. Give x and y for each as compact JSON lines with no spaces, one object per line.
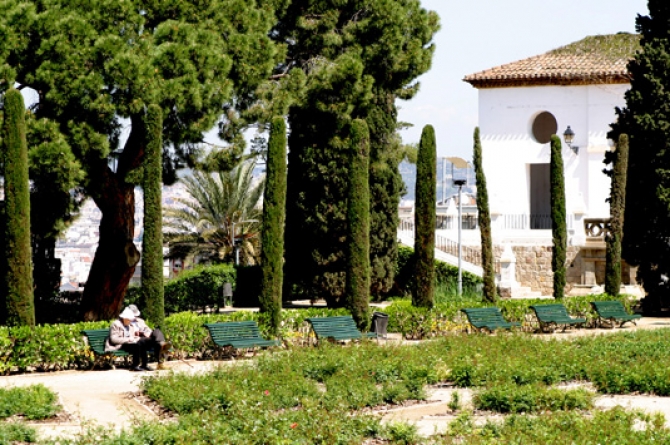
{"x":380,"y":322}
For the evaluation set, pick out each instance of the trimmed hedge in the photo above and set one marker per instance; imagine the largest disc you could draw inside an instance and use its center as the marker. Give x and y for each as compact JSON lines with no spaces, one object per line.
{"x":445,"y":274}
{"x":193,"y":289}
{"x":61,"y":346}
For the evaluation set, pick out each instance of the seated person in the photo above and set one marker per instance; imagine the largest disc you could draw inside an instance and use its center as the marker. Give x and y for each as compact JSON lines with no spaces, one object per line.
{"x":160,"y":345}
{"x":123,"y":335}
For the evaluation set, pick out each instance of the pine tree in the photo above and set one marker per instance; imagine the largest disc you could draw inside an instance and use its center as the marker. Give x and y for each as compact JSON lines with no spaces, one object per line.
{"x":19,"y":273}
{"x":424,"y":220}
{"x":152,"y":240}
{"x":646,"y":119}
{"x":558,"y":217}
{"x":617,"y":207}
{"x":357,"y":286}
{"x":272,"y":234}
{"x":484,"y":218}
{"x":201,"y":64}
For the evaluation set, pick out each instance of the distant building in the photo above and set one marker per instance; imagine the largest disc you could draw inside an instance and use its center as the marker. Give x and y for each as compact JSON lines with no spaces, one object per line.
{"x":521,"y":105}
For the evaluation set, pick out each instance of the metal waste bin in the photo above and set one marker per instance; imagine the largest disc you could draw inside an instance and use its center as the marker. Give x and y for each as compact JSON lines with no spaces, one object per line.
{"x":380,"y":322}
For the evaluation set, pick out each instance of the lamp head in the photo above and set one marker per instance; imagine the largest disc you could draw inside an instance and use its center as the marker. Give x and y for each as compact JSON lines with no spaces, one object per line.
{"x":459,"y":182}
{"x":568,"y":137}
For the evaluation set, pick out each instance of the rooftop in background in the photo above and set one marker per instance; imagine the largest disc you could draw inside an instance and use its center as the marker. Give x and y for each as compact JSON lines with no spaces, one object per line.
{"x":592,"y":60}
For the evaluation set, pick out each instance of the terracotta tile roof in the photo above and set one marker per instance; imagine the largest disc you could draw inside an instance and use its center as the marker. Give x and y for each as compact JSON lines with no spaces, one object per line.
{"x":595,"y":59}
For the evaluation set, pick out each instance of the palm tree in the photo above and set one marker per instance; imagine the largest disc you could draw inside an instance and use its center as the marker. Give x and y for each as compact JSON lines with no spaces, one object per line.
{"x":201,"y":230}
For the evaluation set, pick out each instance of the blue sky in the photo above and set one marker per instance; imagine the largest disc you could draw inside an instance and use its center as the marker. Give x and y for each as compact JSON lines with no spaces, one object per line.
{"x":481,"y":34}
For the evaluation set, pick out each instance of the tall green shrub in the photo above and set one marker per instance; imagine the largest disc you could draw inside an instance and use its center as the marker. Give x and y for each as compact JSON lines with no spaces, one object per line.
{"x":558,"y":224}
{"x":646,"y":120}
{"x":152,"y":240}
{"x":484,"y":218}
{"x":357,"y":284}
{"x":272,"y":234}
{"x":19,"y":278}
{"x":424,"y":220}
{"x":617,"y":207}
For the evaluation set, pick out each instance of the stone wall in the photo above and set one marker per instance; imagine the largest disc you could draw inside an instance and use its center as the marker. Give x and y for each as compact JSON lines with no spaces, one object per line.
{"x":586,"y":267}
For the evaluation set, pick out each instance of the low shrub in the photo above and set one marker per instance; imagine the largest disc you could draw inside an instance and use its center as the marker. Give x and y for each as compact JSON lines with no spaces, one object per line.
{"x":531,"y":399}
{"x":563,"y":427}
{"x":35,"y":402}
{"x":199,"y":288}
{"x":17,"y":433}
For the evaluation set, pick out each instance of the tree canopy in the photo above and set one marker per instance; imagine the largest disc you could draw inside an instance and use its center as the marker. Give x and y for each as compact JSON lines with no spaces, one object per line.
{"x":646,"y":120}
{"x":96,"y":66}
{"x":358,"y":57}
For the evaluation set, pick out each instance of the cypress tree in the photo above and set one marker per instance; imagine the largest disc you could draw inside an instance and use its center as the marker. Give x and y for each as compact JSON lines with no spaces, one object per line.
{"x":152,"y":240}
{"x":380,"y":49}
{"x":386,"y":186}
{"x":19,"y":274}
{"x":484,"y":218}
{"x":617,"y":207}
{"x":357,"y":286}
{"x":558,"y":219}
{"x":272,"y":234}
{"x":646,"y":120}
{"x":424,"y":220}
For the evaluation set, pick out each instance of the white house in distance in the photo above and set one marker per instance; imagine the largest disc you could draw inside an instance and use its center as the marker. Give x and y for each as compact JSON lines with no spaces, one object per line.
{"x":521,"y":104}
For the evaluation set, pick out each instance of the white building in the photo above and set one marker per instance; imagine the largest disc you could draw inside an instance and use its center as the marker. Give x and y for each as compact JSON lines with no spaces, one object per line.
{"x":521,"y":104}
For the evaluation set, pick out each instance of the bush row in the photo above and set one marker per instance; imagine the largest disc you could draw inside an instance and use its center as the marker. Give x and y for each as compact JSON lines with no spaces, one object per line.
{"x":61,"y":346}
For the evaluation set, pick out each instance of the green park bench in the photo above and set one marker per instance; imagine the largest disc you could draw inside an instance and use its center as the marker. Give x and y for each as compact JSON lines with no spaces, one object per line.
{"x":489,"y":318}
{"x":337,"y":328}
{"x":550,"y":316}
{"x":238,"y":335}
{"x":95,"y":338}
{"x":613,"y":312}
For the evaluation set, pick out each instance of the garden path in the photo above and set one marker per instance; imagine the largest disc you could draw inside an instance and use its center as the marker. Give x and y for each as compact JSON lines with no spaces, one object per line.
{"x":106,"y":397}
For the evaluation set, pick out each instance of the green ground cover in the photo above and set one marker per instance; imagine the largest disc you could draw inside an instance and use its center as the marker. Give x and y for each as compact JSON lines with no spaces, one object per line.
{"x":323,"y":395}
{"x":34,"y":402}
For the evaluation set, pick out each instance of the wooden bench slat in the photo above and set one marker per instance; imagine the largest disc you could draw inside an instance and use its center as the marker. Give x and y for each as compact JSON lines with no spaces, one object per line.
{"x":238,"y":334}
{"x":341,"y":327}
{"x":555,"y":314}
{"x":613,"y":311}
{"x":489,"y":317}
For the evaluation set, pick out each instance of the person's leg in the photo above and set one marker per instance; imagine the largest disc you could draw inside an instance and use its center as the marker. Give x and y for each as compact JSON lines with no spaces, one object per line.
{"x":144,"y":344}
{"x":160,"y":344}
{"x":134,"y":349}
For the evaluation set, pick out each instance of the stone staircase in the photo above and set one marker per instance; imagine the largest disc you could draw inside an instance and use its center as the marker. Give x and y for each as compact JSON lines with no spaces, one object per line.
{"x":445,"y":250}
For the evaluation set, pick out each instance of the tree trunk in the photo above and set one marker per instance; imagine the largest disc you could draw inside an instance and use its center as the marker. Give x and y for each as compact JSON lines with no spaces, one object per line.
{"x":115,"y":259}
{"x":117,"y":256}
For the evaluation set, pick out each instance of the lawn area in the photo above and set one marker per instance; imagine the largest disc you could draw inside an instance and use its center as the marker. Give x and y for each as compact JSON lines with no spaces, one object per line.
{"x":326,"y":395}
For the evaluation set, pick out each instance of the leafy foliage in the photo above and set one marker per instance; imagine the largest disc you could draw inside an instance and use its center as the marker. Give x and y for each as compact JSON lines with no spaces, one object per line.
{"x":617,"y":207}
{"x":357,"y":286}
{"x":559,"y":229}
{"x":18,"y":277}
{"x":274,"y":216}
{"x":200,"y":229}
{"x":532,"y":399}
{"x":357,"y":57}
{"x":484,"y":219}
{"x":97,"y":67}
{"x":424,"y":221}
{"x":152,"y":238}
{"x":645,"y":119}
{"x":34,"y":402}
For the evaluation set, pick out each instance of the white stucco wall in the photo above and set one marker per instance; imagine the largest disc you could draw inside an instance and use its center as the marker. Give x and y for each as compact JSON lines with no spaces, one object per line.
{"x":508,"y":147}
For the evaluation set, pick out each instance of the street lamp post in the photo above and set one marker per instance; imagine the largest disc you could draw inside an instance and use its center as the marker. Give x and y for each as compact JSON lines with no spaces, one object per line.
{"x":237,"y":247}
{"x":460,"y":183}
